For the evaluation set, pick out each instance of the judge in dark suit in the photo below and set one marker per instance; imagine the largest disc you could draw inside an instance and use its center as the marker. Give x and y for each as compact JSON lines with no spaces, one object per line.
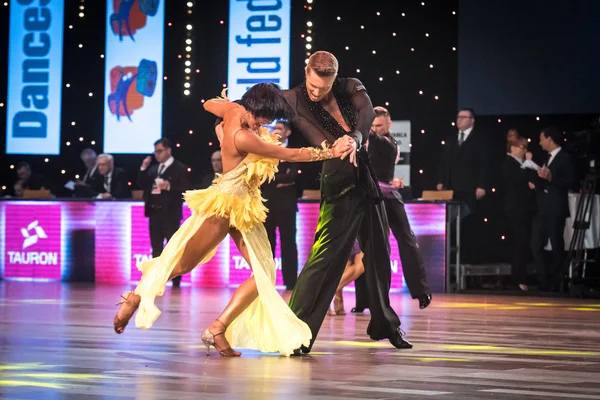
{"x":217,"y":168}
{"x":92,"y":181}
{"x":465,"y":163}
{"x":552,"y":185}
{"x":163,"y":185}
{"x":282,"y":202}
{"x":114,"y":181}
{"x":519,"y":205}
{"x":28,"y":180}
{"x":329,"y":108}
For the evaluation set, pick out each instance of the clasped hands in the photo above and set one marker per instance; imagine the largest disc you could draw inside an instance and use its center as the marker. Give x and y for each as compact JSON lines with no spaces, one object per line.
{"x":345,"y":147}
{"x":545,"y":173}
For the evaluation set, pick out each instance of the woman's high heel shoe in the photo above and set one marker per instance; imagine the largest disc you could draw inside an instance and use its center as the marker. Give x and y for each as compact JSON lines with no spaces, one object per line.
{"x":121,"y":323}
{"x":208,"y":338}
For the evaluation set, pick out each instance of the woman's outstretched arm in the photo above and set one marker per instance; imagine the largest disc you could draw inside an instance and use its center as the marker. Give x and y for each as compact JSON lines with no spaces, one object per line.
{"x":248,"y":142}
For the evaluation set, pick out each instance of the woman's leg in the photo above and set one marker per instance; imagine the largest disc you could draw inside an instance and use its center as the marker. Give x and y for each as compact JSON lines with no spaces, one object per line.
{"x":244,"y":295}
{"x":212,"y":231}
{"x":353,"y":270}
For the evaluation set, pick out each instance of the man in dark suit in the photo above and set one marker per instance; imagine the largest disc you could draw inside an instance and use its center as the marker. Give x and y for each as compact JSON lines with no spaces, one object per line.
{"x":114,"y":181}
{"x":384,"y":153}
{"x":465,"y":169}
{"x":217,"y":168}
{"x":163,"y":185}
{"x":92,"y":180}
{"x":28,"y":180}
{"x":552,"y":186}
{"x":331,"y":109}
{"x":282,"y":202}
{"x":465,"y":163}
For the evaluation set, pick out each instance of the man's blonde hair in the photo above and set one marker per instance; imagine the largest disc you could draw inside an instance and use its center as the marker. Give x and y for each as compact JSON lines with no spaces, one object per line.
{"x":323,"y":63}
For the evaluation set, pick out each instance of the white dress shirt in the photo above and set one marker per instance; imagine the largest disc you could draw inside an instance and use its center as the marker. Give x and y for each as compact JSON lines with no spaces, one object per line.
{"x":466,"y":132}
{"x":163,"y":167}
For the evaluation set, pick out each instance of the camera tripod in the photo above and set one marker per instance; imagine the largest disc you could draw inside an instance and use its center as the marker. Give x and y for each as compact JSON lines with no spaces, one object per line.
{"x":576,"y":262}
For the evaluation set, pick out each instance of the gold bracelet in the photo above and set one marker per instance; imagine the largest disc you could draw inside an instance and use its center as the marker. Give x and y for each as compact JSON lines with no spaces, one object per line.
{"x":316,"y":154}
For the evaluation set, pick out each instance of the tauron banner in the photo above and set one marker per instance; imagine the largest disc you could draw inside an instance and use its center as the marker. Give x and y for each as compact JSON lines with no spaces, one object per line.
{"x":134,"y":75}
{"x":34,"y":76}
{"x":259,"y":44}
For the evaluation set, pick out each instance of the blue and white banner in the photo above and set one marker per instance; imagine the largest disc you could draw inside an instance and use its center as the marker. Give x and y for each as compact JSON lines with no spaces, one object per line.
{"x":34,"y":76}
{"x":259,"y":44}
{"x":133,"y":84}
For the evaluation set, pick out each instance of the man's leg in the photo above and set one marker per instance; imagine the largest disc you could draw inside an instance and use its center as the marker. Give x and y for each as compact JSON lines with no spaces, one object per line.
{"x":289,"y":249}
{"x":338,"y":225}
{"x":361,"y":293}
{"x":157,"y":237}
{"x":556,"y":229}
{"x":374,"y":241}
{"x":170,"y":226}
{"x":413,"y":266}
{"x":539,"y":239}
{"x":271,"y":227}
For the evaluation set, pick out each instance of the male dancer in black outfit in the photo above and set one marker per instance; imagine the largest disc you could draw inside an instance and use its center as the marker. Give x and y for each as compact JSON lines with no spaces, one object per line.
{"x":383,"y":153}
{"x":330,"y":109}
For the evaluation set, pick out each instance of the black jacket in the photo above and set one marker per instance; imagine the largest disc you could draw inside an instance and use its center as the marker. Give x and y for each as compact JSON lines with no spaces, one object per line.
{"x":119,"y":185}
{"x":168,"y":202}
{"x":286,"y":196}
{"x":553,"y":196}
{"x":465,"y":168}
{"x":518,"y":197}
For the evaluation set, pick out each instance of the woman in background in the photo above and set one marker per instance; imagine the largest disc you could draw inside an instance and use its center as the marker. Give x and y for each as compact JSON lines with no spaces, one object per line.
{"x":519,"y":204}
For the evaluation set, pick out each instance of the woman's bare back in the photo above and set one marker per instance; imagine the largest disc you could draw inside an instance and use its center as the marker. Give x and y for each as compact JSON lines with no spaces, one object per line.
{"x":232,"y":123}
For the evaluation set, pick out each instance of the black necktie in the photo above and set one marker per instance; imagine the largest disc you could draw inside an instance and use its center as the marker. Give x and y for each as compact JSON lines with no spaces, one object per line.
{"x":461,"y":138}
{"x":548,"y":160}
{"x":161,"y":169}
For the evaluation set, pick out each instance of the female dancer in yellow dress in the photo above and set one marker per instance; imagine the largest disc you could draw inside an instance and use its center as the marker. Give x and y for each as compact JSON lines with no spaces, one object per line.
{"x":256,"y":316}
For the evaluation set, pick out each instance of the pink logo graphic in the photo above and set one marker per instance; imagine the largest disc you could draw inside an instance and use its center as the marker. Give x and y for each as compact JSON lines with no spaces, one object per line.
{"x":33,"y":241}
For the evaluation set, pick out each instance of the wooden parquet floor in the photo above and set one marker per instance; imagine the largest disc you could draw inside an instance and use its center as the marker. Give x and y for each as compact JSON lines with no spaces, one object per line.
{"x":57,"y":342}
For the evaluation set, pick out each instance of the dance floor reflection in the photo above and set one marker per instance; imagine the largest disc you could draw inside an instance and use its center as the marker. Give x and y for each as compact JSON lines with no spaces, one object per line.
{"x":58,"y":342}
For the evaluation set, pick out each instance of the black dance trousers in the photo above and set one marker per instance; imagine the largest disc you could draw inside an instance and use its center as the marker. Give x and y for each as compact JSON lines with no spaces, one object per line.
{"x":341,"y":221}
{"x":284,"y":218}
{"x":413,"y":266}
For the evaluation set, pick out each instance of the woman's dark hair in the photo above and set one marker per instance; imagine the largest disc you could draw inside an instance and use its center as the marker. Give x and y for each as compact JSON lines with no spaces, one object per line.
{"x":265,"y":100}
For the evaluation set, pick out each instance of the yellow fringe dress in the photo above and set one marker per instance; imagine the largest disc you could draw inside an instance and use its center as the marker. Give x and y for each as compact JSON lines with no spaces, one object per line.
{"x":268,"y":324}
